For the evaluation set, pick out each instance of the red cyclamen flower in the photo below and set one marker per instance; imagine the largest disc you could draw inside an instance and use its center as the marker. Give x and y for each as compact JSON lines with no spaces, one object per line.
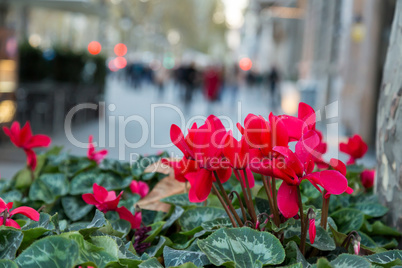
{"x":139,"y":187}
{"x":5,"y":214}
{"x":367,"y":178}
{"x":23,"y":138}
{"x":238,"y":156}
{"x":105,"y":201}
{"x":202,"y":151}
{"x":355,"y":147}
{"x":96,"y":156}
{"x":293,"y":167}
{"x":312,"y":230}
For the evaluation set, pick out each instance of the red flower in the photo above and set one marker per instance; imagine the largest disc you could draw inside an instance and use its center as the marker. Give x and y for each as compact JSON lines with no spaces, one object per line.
{"x":264,"y":135}
{"x":355,"y":147}
{"x":202,"y":151}
{"x":139,"y":187}
{"x":5,"y":214}
{"x":135,"y":219}
{"x":297,"y":126}
{"x":96,"y":156}
{"x":367,"y":178}
{"x":292,"y":168}
{"x":107,"y":201}
{"x":312,"y":230}
{"x":238,"y":156}
{"x":102,"y":199}
{"x":23,"y":138}
{"x":181,"y":167}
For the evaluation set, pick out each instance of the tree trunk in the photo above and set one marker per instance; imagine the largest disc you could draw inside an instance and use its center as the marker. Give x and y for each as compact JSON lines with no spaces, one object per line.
{"x":389,"y":127}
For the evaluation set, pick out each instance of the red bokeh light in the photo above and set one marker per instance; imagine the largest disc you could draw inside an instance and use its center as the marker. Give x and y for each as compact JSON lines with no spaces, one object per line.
{"x":120,"y":62}
{"x":94,"y":47}
{"x":112,"y":66}
{"x":120,"y":49}
{"x":245,"y":64}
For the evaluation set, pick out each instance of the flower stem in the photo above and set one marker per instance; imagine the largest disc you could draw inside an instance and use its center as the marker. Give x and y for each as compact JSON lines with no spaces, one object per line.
{"x":32,"y":175}
{"x":252,"y":210}
{"x":243,"y":211}
{"x":270,"y":200}
{"x":243,"y":188}
{"x":303,"y":224}
{"x":324,"y":210}
{"x":275,"y":203}
{"x":224,"y":205}
{"x":225,"y":196}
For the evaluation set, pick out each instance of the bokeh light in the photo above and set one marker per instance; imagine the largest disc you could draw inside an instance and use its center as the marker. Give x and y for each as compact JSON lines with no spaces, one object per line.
{"x":94,"y":47}
{"x":112,"y":66}
{"x":120,"y":49}
{"x":168,"y":61}
{"x":245,"y":64}
{"x":120,"y":62}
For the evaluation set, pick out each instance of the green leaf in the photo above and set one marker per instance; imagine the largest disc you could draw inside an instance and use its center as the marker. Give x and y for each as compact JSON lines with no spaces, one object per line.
{"x":12,"y":196}
{"x":22,"y":179}
{"x":322,"y":263}
{"x":385,"y":242}
{"x":348,"y":219}
{"x":193,"y":217}
{"x":10,"y":241}
{"x":156,"y":229}
{"x":83,"y":182}
{"x":242,"y":247}
{"x":366,"y":240}
{"x":372,"y":209}
{"x":379,"y":228}
{"x":348,"y":260}
{"x":156,"y":251}
{"x":177,"y":212}
{"x":121,"y":226}
{"x":8,"y":264}
{"x":216,"y":224}
{"x":151,"y":263}
{"x":75,"y":208}
{"x":73,"y":165}
{"x":48,"y":187}
{"x":294,"y":255}
{"x":385,"y":257}
{"x":180,"y":200}
{"x":4,"y":185}
{"x":175,"y":257}
{"x":185,"y":265}
{"x":35,"y":229}
{"x":85,"y":229}
{"x":51,"y":251}
{"x":90,"y":254}
{"x":107,"y":243}
{"x":323,"y":240}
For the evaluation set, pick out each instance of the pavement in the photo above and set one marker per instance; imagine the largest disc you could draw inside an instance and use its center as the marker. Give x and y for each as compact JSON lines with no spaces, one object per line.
{"x":137,"y":122}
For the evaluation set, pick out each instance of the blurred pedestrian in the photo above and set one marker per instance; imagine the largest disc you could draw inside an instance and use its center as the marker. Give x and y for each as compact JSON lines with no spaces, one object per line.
{"x":189,"y":80}
{"x":273,"y":81}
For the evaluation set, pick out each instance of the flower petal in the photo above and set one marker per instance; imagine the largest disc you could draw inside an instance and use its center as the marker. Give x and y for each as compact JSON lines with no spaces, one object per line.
{"x":332,"y":181}
{"x":90,"y":199}
{"x":125,"y":214}
{"x":288,"y":200}
{"x":39,"y":141}
{"x":26,"y":211}
{"x":201,"y":184}
{"x":12,"y":223}
{"x":100,"y":193}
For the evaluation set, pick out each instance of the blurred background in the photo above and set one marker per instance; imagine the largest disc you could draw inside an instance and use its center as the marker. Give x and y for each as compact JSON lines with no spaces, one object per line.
{"x":166,"y":61}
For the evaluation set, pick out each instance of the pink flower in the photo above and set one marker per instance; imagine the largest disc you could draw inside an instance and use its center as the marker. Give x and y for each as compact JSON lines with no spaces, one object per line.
{"x":5,"y":214}
{"x":102,"y":199}
{"x":23,"y":138}
{"x":135,"y":219}
{"x":355,"y":147}
{"x":312,"y":230}
{"x":108,"y":201}
{"x":367,"y":178}
{"x":139,"y":187}
{"x":356,"y":247}
{"x":297,"y":126}
{"x":96,"y":156}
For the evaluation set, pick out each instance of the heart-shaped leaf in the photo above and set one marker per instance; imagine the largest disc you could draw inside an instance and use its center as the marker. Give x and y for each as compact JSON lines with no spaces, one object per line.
{"x":48,"y":187}
{"x":194,"y":217}
{"x":60,"y":252}
{"x":175,"y":257}
{"x":348,"y":219}
{"x":242,"y":247}
{"x":10,"y":241}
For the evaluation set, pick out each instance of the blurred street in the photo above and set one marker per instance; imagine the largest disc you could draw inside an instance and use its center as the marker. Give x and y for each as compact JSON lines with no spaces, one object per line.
{"x":128,"y":102}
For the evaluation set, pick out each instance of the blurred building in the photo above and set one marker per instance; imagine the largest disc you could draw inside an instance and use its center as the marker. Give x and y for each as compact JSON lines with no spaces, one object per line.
{"x":335,"y":49}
